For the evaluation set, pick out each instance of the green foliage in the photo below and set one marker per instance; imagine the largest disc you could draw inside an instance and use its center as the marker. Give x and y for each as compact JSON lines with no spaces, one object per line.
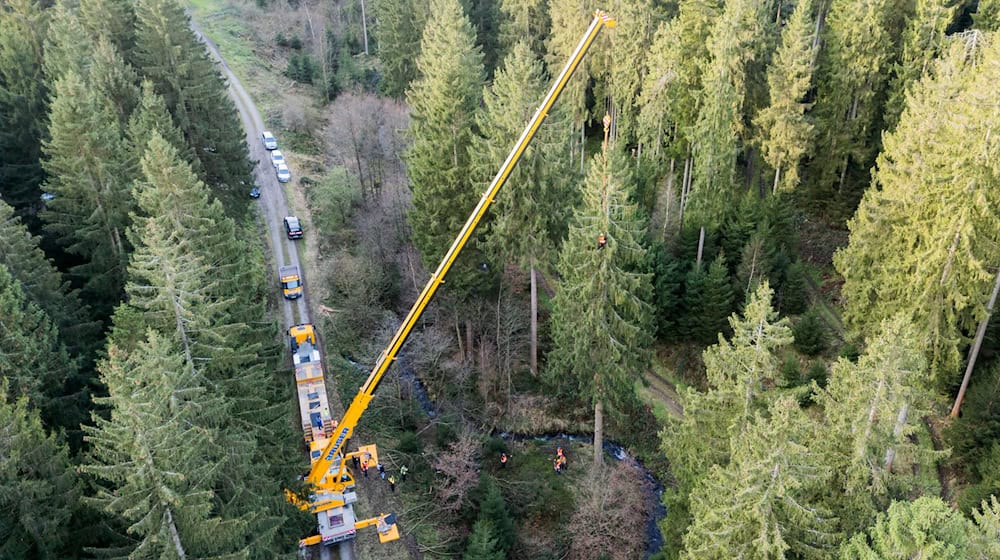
{"x":38,"y":486}
{"x":668,"y":286}
{"x":987,"y":472}
{"x":68,"y":47}
{"x":810,"y":333}
{"x":400,"y":27}
{"x":333,"y":200}
{"x":301,"y":68}
{"x":483,"y":543}
{"x":493,"y":509}
{"x":409,"y":443}
{"x":89,"y":173}
{"x":444,"y":101}
{"x":114,"y":81}
{"x":760,"y":506}
{"x":922,"y":237}
{"x":601,"y":324}
{"x":23,"y":102}
{"x":151,"y":116}
{"x":987,"y":16}
{"x":977,"y":429}
{"x":113,"y":20}
{"x":925,"y":528}
{"x":862,"y":403}
{"x":794,"y":297}
{"x":168,"y":54}
{"x":711,"y":302}
{"x":987,"y":521}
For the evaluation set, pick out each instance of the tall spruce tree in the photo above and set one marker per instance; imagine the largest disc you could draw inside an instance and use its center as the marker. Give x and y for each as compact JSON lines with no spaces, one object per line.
{"x":862,"y":405}
{"x":168,"y":53}
{"x":444,"y":101}
{"x":400,"y":25}
{"x":32,"y":359}
{"x":524,"y":21}
{"x":531,"y":210}
{"x":851,"y":81}
{"x":923,"y":39}
{"x":115,"y":82}
{"x":151,"y":116}
{"x":569,"y":19}
{"x":761,"y":505}
{"x":68,"y":47}
{"x":601,"y":325}
{"x":38,"y":488}
{"x":23,"y":102}
{"x":483,"y":543}
{"x":625,"y":60}
{"x":987,"y":519}
{"x":112,"y":19}
{"x":44,"y":285}
{"x":737,"y":40}
{"x":155,"y":459}
{"x":786,"y":135}
{"x":709,"y":320}
{"x":925,"y":528}
{"x":88,"y":174}
{"x":924,"y":241}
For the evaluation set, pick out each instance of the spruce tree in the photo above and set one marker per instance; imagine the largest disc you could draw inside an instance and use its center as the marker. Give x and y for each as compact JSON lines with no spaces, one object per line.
{"x":23,"y":102}
{"x":851,"y":81}
{"x":155,"y":459}
{"x":531,"y":211}
{"x":483,"y":543}
{"x":737,"y":41}
{"x":987,"y":520}
{"x":793,"y":290}
{"x":38,"y":488}
{"x":115,"y":82}
{"x":786,"y":135}
{"x":601,"y":325}
{"x":760,"y":505}
{"x":922,"y":41}
{"x":625,"y":60}
{"x":716,"y":303}
{"x":757,"y":260}
{"x":88,"y":174}
{"x":925,"y":528}
{"x":810,"y":333}
{"x":168,"y":53}
{"x":151,"y":116}
{"x":987,"y":16}
{"x":444,"y":101}
{"x":569,"y":20}
{"x":21,"y":254}
{"x":68,"y":47}
{"x":862,"y":404}
{"x":524,"y":21}
{"x":923,"y":241}
{"x":113,"y":20}
{"x":494,"y":510}
{"x":400,"y":27}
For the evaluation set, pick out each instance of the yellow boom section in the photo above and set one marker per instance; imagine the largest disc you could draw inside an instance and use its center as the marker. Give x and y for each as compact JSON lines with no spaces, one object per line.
{"x":364,"y":396}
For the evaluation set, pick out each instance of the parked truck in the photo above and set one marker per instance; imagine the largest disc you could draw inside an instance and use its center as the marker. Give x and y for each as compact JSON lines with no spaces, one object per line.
{"x":291,"y":284}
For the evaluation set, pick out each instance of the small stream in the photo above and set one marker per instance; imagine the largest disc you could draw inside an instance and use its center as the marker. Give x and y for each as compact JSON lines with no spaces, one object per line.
{"x":653,"y":490}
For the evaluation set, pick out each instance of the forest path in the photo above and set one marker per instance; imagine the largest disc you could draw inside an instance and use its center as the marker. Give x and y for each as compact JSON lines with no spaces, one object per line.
{"x":282,"y":251}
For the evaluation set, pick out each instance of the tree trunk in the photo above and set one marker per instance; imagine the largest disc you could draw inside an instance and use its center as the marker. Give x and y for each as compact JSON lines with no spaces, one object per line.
{"x":364,"y":26}
{"x":974,"y":353}
{"x":777,"y":175}
{"x":175,"y":536}
{"x":534,"y":319}
{"x":470,"y":354}
{"x":598,"y":433}
{"x":701,"y":247}
{"x":458,"y":338}
{"x":890,"y":454}
{"x":583,"y":139}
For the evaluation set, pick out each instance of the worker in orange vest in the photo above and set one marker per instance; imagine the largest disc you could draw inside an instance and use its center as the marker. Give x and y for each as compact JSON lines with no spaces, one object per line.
{"x":364,"y":467}
{"x":503,"y":460}
{"x":601,"y":241}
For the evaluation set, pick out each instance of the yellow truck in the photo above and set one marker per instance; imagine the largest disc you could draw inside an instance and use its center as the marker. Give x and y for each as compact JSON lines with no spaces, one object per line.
{"x":291,"y":284}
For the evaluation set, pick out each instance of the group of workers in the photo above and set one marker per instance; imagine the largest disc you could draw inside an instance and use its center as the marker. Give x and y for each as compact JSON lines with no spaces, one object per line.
{"x":559,"y":463}
{"x":364,"y":464}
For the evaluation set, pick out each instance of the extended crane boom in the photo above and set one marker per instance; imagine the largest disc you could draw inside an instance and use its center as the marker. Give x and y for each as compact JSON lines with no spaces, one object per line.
{"x":329,"y":475}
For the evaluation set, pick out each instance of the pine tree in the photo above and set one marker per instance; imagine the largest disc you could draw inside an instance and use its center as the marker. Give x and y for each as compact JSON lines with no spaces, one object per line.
{"x":786,"y":135}
{"x":114,"y":81}
{"x":601,"y":324}
{"x":23,"y":102}
{"x":67,"y":47}
{"x":400,"y":27}
{"x":925,"y":528}
{"x":851,"y":80}
{"x":759,"y":505}
{"x":32,"y":359}
{"x":113,"y":20}
{"x":862,"y":404}
{"x":38,"y":488}
{"x":524,"y":21}
{"x":168,"y":54}
{"x":21,"y":254}
{"x":922,"y":242}
{"x":87,"y":167}
{"x":482,"y":543}
{"x":151,"y":116}
{"x":155,"y":459}
{"x":494,"y":510}
{"x":718,"y":134}
{"x":531,"y":210}
{"x":716,"y":303}
{"x":922,"y":40}
{"x":444,"y":101}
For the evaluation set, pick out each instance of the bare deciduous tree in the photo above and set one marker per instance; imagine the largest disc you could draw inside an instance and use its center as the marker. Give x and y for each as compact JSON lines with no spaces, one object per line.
{"x":611,"y":514}
{"x":459,"y":467}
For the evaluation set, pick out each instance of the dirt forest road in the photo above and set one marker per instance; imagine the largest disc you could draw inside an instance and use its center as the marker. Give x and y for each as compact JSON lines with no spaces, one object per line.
{"x":274,"y":206}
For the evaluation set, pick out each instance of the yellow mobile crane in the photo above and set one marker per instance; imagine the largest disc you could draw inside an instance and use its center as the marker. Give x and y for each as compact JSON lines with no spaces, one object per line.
{"x":329,"y":479}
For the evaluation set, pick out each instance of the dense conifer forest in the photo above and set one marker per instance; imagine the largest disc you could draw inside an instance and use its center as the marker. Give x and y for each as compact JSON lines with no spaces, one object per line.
{"x":751,"y":250}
